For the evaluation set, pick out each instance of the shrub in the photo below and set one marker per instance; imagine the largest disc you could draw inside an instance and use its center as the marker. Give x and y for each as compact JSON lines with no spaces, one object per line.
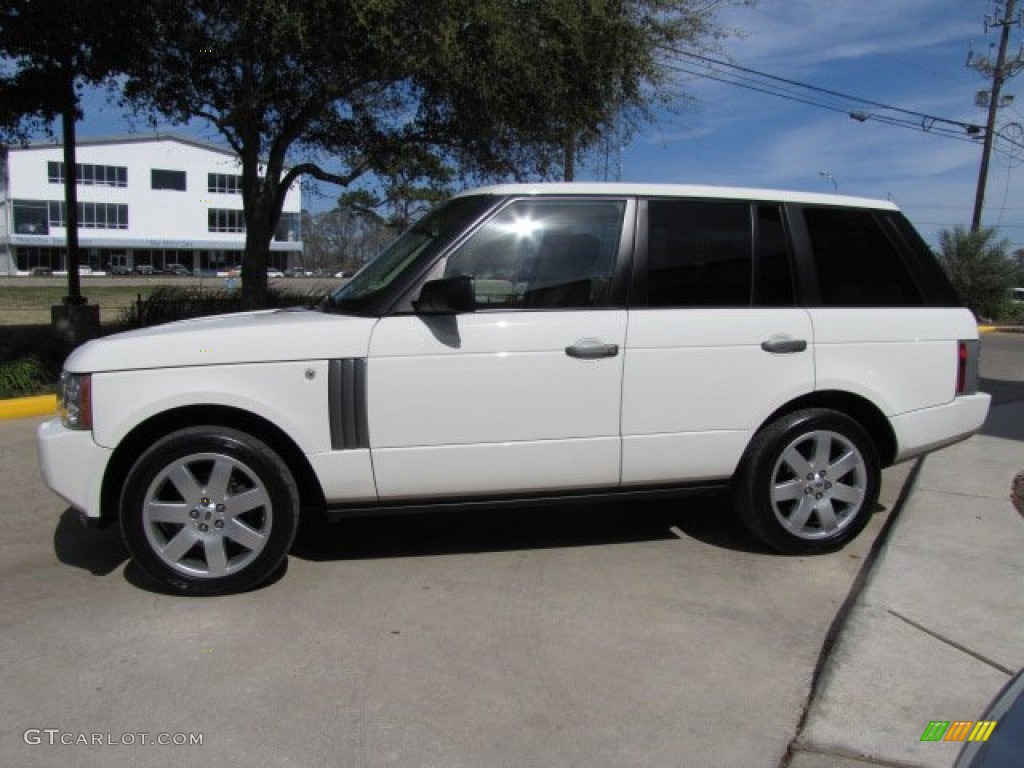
{"x":36,"y":342}
{"x":22,"y":377}
{"x":169,"y":303}
{"x":980,"y":268}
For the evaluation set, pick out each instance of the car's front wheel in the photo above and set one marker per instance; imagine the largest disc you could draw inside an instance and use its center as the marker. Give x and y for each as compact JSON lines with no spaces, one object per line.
{"x":808,"y":482}
{"x":209,"y":510}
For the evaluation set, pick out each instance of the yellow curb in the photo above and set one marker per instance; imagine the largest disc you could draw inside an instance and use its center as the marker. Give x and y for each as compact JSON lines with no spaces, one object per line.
{"x":986,"y":328}
{"x":21,"y":407}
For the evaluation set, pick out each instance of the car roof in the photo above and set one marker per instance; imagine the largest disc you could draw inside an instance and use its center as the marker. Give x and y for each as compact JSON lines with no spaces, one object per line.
{"x":698,"y":191}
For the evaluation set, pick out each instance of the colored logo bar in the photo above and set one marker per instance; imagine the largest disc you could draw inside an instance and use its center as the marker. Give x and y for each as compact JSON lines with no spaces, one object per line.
{"x":958,"y":730}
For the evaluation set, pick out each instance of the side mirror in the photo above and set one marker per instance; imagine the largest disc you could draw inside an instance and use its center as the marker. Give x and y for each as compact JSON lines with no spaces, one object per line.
{"x":449,"y":296}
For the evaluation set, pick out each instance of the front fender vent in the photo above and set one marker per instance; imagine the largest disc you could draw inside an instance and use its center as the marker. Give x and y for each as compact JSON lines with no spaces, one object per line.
{"x":346,"y":388}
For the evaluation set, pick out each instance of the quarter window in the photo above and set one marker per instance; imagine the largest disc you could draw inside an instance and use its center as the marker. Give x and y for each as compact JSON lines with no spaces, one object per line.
{"x":543,"y":254}
{"x":858,"y":265}
{"x":699,"y":254}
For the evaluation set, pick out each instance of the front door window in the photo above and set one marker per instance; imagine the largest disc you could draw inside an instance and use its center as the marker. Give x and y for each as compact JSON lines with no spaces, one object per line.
{"x":543,"y":254}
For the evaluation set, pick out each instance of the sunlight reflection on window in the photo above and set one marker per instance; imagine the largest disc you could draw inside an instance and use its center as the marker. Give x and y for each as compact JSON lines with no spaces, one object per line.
{"x":522,"y":227}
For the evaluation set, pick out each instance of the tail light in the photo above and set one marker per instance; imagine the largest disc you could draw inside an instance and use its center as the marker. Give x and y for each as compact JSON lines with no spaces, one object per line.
{"x":967,"y":353}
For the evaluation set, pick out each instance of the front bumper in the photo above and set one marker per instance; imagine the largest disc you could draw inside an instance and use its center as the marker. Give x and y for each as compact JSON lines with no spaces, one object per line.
{"x":73,"y":465}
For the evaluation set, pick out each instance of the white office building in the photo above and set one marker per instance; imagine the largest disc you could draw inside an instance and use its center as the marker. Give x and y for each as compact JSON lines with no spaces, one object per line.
{"x":143,"y":201}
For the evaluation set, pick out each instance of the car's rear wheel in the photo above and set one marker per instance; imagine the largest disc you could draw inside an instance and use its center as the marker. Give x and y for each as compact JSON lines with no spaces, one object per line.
{"x":209,"y":510}
{"x":808,"y":482}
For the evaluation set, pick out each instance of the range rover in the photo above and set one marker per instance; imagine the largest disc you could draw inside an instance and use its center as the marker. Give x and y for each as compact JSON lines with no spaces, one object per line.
{"x":529,"y":343}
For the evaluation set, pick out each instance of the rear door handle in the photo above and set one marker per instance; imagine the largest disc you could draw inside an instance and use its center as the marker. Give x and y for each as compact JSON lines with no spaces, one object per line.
{"x":783,"y":345}
{"x":591,"y":349}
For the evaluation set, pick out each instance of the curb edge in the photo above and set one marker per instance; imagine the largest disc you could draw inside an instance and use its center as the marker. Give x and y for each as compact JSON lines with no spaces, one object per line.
{"x":23,"y":407}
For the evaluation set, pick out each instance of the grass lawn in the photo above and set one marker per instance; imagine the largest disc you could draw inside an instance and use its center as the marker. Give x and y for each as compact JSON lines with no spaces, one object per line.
{"x":31,"y":354}
{"x":30,"y":304}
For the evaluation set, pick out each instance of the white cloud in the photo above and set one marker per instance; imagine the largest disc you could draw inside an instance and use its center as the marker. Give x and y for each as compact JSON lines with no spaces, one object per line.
{"x":796,"y":33}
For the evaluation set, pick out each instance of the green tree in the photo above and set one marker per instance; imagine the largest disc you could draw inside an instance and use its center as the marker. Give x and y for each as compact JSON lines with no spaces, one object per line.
{"x":51,"y":49}
{"x":409,"y":92}
{"x":344,"y":238}
{"x":980,"y":267}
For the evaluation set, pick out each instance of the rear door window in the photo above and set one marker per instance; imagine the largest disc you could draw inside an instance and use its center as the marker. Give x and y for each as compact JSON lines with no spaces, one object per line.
{"x":773,"y":266}
{"x":699,"y":254}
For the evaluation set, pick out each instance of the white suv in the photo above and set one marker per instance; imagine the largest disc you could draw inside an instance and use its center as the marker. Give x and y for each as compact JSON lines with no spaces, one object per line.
{"x":524,"y":343}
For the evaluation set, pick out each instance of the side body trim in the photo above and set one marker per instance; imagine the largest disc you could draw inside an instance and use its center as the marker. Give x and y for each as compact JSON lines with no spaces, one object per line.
{"x":346,"y":391}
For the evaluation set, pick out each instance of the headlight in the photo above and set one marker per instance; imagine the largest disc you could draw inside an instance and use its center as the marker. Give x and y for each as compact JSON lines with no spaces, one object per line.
{"x":74,"y":399}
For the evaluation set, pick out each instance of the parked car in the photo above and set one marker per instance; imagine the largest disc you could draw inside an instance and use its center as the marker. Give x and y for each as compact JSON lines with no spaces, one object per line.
{"x":145,"y":269}
{"x":120,"y":269}
{"x":178,"y":270}
{"x":40,"y":272}
{"x":525,"y":344}
{"x":297,"y":272}
{"x":274,"y":272}
{"x":996,"y":739}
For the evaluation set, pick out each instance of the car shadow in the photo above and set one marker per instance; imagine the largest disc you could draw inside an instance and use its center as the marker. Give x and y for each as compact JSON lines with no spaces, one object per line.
{"x":98,"y":551}
{"x":139,"y":579}
{"x":101,"y":551}
{"x":1001,"y":422}
{"x":706,"y":518}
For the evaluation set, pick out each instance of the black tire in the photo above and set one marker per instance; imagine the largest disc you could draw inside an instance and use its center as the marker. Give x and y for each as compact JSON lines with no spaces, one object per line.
{"x":209,"y":511}
{"x":797,"y":503}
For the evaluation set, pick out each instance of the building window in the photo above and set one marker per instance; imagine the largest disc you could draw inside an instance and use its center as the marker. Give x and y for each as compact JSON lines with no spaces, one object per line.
{"x":224,"y":183}
{"x":90,"y":215}
{"x":30,"y":217}
{"x":162,"y":179}
{"x":55,"y":213}
{"x":288,"y":230}
{"x":225,"y":220}
{"x":90,"y":175}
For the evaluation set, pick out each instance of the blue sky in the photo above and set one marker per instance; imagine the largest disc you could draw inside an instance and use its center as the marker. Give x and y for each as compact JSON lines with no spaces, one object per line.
{"x":906,"y":53}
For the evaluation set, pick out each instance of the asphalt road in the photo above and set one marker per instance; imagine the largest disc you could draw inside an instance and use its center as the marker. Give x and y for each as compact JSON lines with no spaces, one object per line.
{"x":645,"y":635}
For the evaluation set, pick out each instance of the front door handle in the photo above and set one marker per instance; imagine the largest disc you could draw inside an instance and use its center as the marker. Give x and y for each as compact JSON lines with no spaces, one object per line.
{"x":783,"y":345}
{"x":591,"y":349}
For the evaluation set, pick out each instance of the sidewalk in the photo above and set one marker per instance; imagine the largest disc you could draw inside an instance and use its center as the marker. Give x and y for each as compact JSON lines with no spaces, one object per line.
{"x":939,"y":627}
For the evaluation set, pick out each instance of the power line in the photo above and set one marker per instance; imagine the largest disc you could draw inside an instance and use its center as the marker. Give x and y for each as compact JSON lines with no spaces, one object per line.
{"x":825,"y":98}
{"x":826,"y":91}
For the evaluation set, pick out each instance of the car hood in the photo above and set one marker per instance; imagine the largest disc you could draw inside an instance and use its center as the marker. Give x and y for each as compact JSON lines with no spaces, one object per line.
{"x":245,"y":337}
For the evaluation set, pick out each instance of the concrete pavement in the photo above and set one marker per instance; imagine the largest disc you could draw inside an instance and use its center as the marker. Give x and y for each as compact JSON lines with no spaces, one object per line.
{"x":938,"y":627}
{"x":625,"y":647}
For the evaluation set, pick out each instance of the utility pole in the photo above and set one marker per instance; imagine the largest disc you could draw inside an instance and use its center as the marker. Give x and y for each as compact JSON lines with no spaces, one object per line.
{"x":1000,"y":72}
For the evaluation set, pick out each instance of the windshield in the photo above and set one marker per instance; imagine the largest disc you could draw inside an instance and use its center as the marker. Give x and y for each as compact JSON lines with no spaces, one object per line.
{"x":418,"y":244}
